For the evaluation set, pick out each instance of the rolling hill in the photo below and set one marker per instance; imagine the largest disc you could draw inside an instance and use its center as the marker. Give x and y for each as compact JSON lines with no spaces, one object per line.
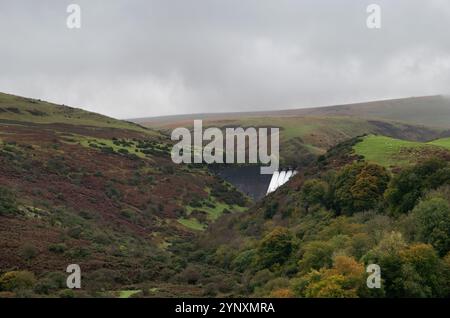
{"x":21,"y":109}
{"x":308,"y":132}
{"x":82,"y":188}
{"x":432,"y":111}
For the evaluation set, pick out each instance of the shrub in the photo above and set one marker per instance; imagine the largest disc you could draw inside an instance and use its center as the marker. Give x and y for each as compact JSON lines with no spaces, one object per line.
{"x":17,"y":280}
{"x":191,"y":275}
{"x":50,"y":283}
{"x":8,"y":204}
{"x":75,"y":232}
{"x":66,"y":293}
{"x":59,"y":248}
{"x":28,"y":252}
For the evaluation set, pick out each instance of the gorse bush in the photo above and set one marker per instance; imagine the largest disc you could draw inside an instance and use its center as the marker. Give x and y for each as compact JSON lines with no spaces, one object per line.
{"x":8,"y":203}
{"x":17,"y":280}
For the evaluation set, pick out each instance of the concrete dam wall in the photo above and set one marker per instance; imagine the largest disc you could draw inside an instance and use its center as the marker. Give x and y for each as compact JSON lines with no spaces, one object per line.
{"x":249,"y":180}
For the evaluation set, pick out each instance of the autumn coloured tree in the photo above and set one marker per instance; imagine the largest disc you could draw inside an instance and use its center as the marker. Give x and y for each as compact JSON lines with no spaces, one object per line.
{"x":359,"y":187}
{"x":275,"y":247}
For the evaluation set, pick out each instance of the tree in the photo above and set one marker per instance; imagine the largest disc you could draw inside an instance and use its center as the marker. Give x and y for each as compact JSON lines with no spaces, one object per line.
{"x":282,"y":293}
{"x":433,"y":223}
{"x":314,"y":192}
{"x":344,"y":279}
{"x":408,"y":271}
{"x":387,"y":255}
{"x":223,"y":256}
{"x":244,"y":260}
{"x":275,"y":248}
{"x":405,"y":189}
{"x":317,"y":254}
{"x":422,"y":272}
{"x":446,"y":275}
{"x":359,"y":187}
{"x":345,"y":179}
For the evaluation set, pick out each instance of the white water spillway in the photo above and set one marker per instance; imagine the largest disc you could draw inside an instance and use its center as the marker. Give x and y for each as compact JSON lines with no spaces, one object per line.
{"x":280,"y":178}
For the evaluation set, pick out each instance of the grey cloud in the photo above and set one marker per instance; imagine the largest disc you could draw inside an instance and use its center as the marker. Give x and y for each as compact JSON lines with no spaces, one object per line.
{"x":146,"y":58}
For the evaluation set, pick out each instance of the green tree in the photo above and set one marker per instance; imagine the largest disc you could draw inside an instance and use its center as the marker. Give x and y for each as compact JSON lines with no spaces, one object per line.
{"x":433,"y":223}
{"x":344,"y":279}
{"x":314,"y":192}
{"x":422,"y":272}
{"x":359,"y":187}
{"x":406,"y":188}
{"x":408,"y":271}
{"x":275,"y":248}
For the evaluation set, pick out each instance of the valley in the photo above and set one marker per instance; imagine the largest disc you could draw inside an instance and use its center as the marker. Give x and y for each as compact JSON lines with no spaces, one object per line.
{"x":82,"y":188}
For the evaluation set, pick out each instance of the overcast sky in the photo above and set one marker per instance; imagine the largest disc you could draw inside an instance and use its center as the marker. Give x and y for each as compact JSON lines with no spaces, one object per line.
{"x":140,"y":58}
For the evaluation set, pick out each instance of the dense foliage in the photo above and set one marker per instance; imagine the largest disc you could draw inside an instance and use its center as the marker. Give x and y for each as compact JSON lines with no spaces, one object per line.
{"x":339,"y":222}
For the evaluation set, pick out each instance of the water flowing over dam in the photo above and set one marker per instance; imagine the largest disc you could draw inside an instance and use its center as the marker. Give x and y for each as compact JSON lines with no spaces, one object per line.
{"x":279,"y":178}
{"x":249,"y":180}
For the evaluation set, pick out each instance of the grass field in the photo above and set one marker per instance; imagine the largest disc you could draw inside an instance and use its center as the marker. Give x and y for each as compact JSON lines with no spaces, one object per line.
{"x":23,"y":109}
{"x":213,"y":211}
{"x":444,"y":142}
{"x":127,"y":293}
{"x":100,"y":143}
{"x":192,"y":223}
{"x":391,"y":152}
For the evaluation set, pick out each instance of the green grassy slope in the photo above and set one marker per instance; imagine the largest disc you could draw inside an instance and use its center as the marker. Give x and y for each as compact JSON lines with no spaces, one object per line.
{"x":443,"y":142}
{"x":391,"y":152}
{"x":16,"y":108}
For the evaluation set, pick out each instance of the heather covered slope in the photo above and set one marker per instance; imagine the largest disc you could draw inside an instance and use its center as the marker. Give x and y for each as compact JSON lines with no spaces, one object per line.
{"x":89,"y":190}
